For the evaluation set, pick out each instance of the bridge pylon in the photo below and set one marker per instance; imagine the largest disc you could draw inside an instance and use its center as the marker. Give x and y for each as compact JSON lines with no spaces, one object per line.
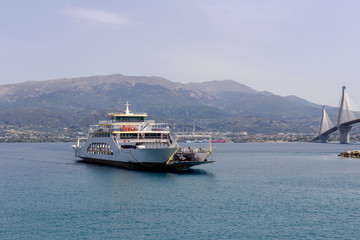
{"x":344,"y":134}
{"x":325,"y":124}
{"x":345,"y":115}
{"x":345,"y":112}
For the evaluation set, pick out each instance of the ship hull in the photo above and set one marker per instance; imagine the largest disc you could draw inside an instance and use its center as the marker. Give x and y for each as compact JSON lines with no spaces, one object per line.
{"x":106,"y":151}
{"x":154,"y":159}
{"x":146,"y":165}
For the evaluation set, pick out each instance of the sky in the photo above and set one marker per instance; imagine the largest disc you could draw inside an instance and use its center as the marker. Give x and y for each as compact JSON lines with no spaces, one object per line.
{"x":307,"y":48}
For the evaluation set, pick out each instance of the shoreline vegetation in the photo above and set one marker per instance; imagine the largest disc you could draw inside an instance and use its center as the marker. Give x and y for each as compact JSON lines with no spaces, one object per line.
{"x":38,"y":137}
{"x":11,"y":135}
{"x":256,"y":138}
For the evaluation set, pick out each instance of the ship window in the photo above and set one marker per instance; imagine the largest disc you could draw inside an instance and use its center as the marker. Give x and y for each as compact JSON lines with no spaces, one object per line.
{"x":129,"y":119}
{"x":152,"y":135}
{"x":100,"y":148}
{"x":128,"y":135}
{"x":102,"y":135}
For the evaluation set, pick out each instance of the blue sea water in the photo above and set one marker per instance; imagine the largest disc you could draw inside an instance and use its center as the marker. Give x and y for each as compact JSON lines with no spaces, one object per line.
{"x":252,"y":191}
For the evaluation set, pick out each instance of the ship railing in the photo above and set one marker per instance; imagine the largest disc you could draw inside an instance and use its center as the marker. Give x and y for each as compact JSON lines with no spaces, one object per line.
{"x":115,"y":129}
{"x":156,"y":137}
{"x":153,"y":127}
{"x":97,"y":128}
{"x":192,"y":150}
{"x":124,"y":129}
{"x":94,"y":128}
{"x":105,"y":122}
{"x":132,"y":113}
{"x":160,"y":127}
{"x":129,"y":137}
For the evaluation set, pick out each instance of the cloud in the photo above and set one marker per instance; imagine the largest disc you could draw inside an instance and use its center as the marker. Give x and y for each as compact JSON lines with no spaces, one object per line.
{"x":95,"y":15}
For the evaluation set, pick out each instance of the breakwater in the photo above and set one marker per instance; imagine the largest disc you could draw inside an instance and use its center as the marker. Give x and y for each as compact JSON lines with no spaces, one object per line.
{"x":352,"y":154}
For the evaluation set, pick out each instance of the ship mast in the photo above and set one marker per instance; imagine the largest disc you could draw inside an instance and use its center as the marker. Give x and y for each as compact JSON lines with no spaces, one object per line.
{"x":127,"y":108}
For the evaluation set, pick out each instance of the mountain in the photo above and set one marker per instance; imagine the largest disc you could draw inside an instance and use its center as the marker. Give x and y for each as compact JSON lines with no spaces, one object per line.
{"x":302,"y":101}
{"x":241,"y":100}
{"x":224,"y":105}
{"x":218,"y":86}
{"x":93,"y":92}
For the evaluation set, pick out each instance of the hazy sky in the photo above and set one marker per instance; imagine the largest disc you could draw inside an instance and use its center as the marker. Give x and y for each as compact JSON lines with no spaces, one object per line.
{"x":288,"y":47}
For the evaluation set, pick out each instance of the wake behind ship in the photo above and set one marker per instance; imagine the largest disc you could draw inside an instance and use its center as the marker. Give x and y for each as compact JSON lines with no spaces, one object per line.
{"x":129,"y":140}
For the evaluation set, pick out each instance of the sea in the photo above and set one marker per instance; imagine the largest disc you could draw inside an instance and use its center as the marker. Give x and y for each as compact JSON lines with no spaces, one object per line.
{"x":252,"y":191}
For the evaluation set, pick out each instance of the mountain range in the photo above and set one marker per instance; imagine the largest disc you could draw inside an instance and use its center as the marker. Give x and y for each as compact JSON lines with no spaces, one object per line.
{"x":220,"y":105}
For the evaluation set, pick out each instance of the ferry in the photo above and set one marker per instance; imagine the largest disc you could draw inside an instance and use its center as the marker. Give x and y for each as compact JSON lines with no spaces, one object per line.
{"x":129,"y":140}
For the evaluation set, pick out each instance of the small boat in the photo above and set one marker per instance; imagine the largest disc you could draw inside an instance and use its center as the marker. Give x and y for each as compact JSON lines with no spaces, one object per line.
{"x":129,"y":140}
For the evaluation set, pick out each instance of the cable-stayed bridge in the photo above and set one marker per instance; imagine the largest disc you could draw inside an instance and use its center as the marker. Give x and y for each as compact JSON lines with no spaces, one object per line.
{"x":345,"y":120}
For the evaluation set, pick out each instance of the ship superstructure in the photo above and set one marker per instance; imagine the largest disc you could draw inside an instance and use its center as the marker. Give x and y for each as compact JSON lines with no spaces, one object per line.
{"x":129,"y":140}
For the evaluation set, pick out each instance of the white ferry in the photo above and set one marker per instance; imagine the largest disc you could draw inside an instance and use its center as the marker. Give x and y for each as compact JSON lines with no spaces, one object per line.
{"x":129,"y":140}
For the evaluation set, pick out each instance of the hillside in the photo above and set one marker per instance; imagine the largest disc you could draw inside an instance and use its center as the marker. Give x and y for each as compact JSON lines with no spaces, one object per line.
{"x":219,"y":86}
{"x":218,"y":105}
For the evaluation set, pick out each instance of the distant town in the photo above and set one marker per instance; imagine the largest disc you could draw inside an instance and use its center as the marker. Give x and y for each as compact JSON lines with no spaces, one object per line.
{"x":10,"y":134}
